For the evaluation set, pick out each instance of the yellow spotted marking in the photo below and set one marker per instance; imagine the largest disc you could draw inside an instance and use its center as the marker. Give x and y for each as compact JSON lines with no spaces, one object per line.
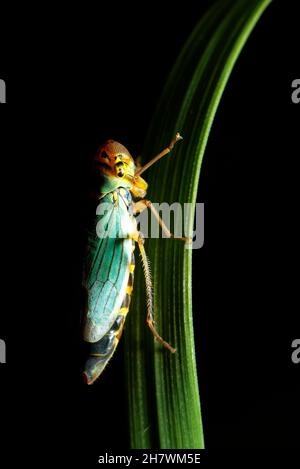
{"x":129,"y":289}
{"x":132,"y":267}
{"x":115,"y":197}
{"x":124,"y":311}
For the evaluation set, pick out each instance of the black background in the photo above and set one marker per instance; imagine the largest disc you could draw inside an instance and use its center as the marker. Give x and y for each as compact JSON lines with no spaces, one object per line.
{"x":73,"y":82}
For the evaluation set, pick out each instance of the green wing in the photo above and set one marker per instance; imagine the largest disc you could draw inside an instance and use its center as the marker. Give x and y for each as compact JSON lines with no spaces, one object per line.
{"x":107,"y":266}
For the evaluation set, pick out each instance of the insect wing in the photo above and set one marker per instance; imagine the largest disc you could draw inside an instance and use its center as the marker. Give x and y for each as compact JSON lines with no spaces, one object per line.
{"x":107,"y":268}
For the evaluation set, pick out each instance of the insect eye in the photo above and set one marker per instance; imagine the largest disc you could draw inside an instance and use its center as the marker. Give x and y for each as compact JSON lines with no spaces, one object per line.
{"x":104,"y":155}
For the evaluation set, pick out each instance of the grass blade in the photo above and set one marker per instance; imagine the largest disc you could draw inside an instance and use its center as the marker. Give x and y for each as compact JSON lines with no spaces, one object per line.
{"x":164,"y":403}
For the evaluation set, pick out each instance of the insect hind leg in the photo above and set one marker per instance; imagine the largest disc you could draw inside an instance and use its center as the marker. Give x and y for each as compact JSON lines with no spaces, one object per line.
{"x":149,"y":293}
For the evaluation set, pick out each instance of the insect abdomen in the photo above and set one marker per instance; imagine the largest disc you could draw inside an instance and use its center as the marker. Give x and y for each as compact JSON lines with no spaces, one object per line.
{"x":100,"y":352}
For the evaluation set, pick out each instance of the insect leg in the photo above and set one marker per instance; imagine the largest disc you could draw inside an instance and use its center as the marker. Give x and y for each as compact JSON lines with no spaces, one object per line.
{"x":149,"y":293}
{"x":159,"y":156}
{"x":142,"y":204}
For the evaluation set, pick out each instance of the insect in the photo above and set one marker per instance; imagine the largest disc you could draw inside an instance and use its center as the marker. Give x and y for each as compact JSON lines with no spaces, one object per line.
{"x":109,"y":262}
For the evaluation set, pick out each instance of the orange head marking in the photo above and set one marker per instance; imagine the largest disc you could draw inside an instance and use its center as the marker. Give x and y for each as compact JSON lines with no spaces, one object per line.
{"x":113,"y":159}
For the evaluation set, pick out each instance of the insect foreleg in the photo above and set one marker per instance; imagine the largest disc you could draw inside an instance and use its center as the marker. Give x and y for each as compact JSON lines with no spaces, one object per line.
{"x":149,"y":293}
{"x":159,"y":156}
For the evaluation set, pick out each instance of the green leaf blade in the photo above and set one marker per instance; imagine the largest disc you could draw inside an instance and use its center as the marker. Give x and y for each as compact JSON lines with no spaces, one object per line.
{"x":164,"y":403}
